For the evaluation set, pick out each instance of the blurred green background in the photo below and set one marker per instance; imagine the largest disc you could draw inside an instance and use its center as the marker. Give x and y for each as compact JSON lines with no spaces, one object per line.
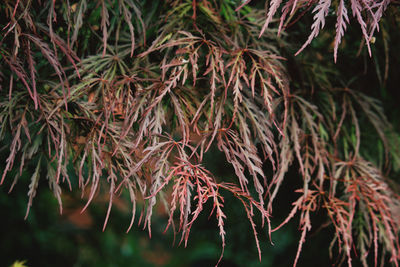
{"x":74,"y":239}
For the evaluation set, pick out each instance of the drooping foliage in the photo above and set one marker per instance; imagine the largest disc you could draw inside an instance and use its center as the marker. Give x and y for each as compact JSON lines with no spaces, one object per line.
{"x":130,"y":95}
{"x":367,"y":13}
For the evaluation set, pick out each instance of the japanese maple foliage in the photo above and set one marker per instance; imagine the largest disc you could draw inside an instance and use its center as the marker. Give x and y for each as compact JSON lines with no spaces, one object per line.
{"x":131,"y":95}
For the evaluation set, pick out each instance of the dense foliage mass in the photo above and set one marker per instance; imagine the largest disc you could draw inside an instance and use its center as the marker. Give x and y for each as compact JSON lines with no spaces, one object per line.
{"x":132,"y":95}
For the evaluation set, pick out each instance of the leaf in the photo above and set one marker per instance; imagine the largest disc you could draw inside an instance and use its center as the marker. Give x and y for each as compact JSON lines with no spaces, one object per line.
{"x":321,"y":11}
{"x":33,"y":186}
{"x":342,"y":19}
